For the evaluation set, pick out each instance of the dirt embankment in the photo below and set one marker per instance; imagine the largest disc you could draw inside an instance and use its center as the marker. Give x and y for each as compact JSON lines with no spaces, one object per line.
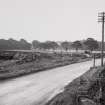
{"x":14,"y":64}
{"x":87,"y":89}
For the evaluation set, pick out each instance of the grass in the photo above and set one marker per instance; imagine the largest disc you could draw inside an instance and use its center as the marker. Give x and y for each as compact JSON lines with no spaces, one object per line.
{"x":23,"y":63}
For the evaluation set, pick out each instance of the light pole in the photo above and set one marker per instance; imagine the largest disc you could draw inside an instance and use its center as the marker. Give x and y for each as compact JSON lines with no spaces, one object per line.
{"x":101,"y":19}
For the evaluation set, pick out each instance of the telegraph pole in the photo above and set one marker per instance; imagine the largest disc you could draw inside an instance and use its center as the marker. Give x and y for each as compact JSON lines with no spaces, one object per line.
{"x":94,"y":60}
{"x":101,"y":19}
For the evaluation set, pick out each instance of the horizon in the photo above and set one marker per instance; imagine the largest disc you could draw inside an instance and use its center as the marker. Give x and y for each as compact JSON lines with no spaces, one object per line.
{"x":49,"y":40}
{"x":57,"y":20}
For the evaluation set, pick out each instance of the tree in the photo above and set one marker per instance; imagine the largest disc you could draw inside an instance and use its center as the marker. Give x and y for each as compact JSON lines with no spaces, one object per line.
{"x":44,"y":45}
{"x":65,"y":45}
{"x":77,"y":44}
{"x":35,"y":44}
{"x":91,"y":44}
{"x":49,"y":45}
{"x":23,"y":44}
{"x":53,"y":45}
{"x":12,"y":44}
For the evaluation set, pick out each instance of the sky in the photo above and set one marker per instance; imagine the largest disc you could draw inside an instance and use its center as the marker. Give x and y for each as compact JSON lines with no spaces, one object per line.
{"x":56,"y":20}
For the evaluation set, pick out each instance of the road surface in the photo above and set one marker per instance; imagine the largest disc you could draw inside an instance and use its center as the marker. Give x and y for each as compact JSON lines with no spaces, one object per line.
{"x":38,"y":88}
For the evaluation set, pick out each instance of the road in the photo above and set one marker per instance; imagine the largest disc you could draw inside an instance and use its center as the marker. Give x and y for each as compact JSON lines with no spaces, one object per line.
{"x":38,"y":88}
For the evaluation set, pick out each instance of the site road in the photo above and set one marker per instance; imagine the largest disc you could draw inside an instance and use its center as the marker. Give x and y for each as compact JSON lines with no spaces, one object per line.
{"x":38,"y":88}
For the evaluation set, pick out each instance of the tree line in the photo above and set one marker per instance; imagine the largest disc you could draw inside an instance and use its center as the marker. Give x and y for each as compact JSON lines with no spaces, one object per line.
{"x":88,"y":44}
{"x":12,"y":44}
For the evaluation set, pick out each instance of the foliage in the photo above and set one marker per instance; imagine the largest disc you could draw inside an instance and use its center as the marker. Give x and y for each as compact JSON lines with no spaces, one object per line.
{"x":44,"y":45}
{"x":65,"y":45}
{"x":77,"y":44}
{"x":91,"y":44}
{"x":53,"y":45}
{"x":35,"y":44}
{"x":12,"y":44}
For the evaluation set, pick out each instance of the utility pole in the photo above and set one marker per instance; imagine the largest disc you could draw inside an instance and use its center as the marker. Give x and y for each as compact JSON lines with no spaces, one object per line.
{"x":101,"y":19}
{"x":94,"y":60}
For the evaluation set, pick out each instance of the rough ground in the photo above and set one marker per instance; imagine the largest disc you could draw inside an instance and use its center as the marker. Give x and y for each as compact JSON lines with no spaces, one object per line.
{"x":14,"y":64}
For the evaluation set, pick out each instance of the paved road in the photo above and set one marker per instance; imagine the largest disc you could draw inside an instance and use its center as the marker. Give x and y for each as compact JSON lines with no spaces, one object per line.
{"x":36,"y":89}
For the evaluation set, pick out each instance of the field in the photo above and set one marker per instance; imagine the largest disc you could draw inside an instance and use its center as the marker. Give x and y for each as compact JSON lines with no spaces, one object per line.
{"x":18,"y":63}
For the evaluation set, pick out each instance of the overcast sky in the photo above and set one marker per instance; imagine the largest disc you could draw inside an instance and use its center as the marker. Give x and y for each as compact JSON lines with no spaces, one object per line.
{"x":57,"y":20}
